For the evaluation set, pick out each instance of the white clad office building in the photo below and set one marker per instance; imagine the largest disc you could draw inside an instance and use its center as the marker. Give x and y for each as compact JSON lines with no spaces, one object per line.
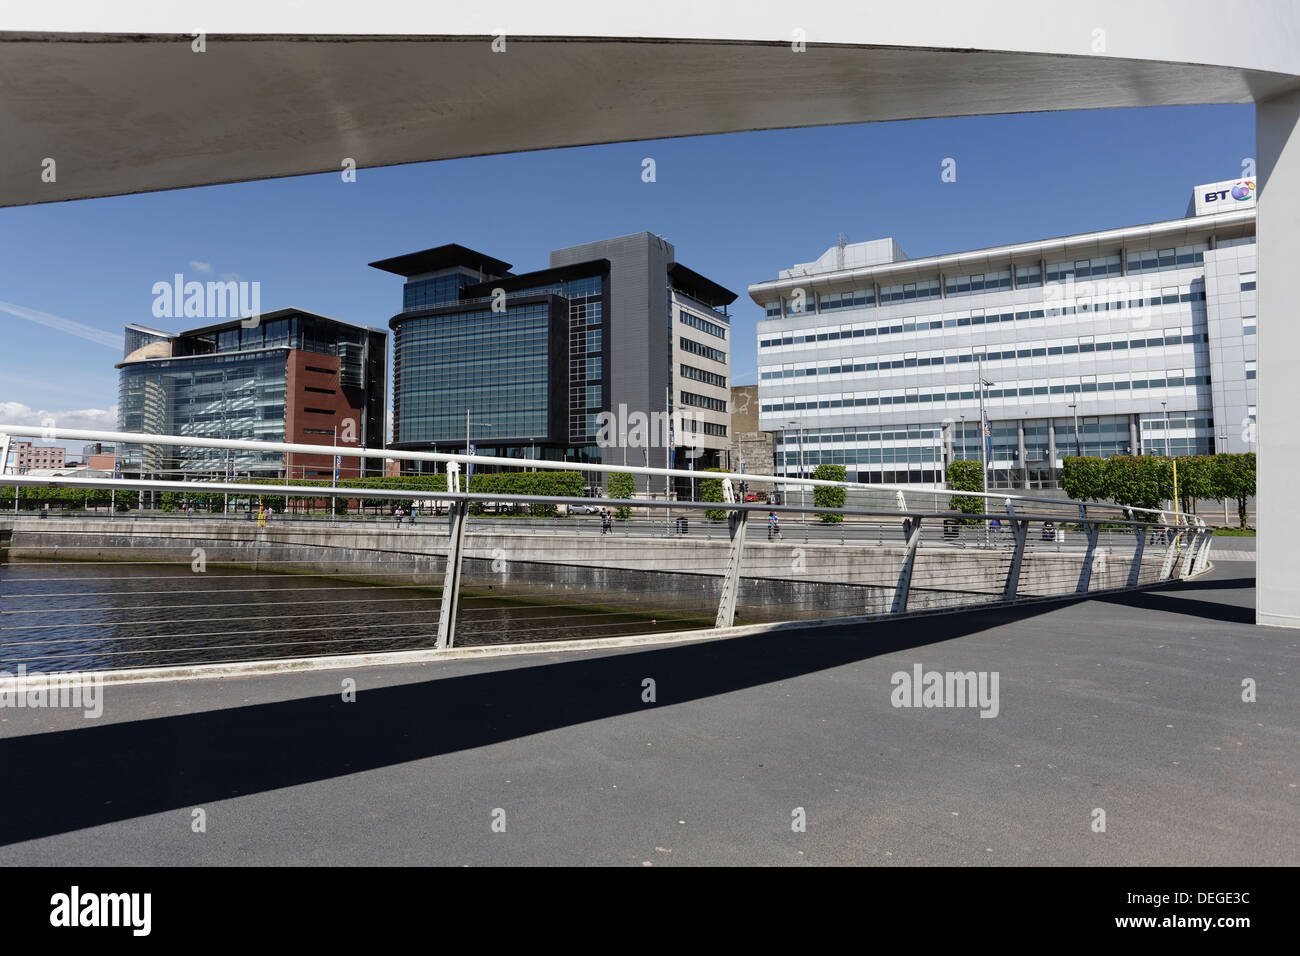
{"x":1144,"y":335}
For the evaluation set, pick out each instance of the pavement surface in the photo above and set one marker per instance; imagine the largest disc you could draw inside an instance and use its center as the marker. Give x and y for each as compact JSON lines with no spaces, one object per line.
{"x":1129,"y":704}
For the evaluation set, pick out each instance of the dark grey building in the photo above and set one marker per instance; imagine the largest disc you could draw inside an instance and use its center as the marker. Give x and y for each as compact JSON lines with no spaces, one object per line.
{"x":615,"y":353}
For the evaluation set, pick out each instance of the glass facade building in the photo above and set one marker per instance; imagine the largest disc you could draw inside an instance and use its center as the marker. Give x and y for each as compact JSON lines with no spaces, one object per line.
{"x":292,"y":377}
{"x":1143,"y":334}
{"x":540,"y":361}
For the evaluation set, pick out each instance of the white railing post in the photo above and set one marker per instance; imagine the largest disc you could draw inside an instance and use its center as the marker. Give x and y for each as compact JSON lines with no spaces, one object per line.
{"x":736,"y":522}
{"x":912,"y":534}
{"x":1085,"y":572}
{"x":1020,"y":528}
{"x":457,"y":515}
{"x":4,"y":453}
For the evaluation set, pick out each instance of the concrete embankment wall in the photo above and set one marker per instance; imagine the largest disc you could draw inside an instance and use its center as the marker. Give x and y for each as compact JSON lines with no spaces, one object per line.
{"x":780,"y":580}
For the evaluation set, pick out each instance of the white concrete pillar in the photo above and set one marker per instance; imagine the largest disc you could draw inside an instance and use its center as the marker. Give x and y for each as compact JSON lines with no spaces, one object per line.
{"x":1277,"y":136}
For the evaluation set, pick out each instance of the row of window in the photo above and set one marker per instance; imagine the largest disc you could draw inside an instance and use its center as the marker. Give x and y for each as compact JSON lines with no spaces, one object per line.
{"x":1151,"y":260}
{"x":911,"y":360}
{"x":695,"y":322}
{"x":1170,"y":296}
{"x":699,"y":375}
{"x":1089,"y":384}
{"x":695,"y":348}
{"x":703,"y":401}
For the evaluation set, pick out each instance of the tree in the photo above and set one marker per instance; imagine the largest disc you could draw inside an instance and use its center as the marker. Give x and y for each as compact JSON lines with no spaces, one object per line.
{"x":828,"y":497}
{"x":1084,"y":479}
{"x":1144,"y":481}
{"x":965,"y":476}
{"x":711,"y":490}
{"x":619,"y":484}
{"x":1195,"y":480}
{"x":1234,"y":477}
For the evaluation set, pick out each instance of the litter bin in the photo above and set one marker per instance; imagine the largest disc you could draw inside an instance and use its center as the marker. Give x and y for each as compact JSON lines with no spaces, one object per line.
{"x":682,"y":526}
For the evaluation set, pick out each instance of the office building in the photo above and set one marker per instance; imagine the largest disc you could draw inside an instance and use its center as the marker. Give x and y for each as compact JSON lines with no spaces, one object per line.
{"x":29,"y":457}
{"x":1144,"y":335}
{"x":291,"y":376}
{"x":582,"y":361}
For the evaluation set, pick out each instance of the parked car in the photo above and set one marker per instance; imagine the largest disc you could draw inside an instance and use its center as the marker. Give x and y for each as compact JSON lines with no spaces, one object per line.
{"x":583,"y":509}
{"x":749,"y":498}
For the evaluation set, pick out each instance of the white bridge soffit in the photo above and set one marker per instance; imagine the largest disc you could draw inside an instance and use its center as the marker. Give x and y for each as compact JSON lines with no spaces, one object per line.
{"x":116,"y":96}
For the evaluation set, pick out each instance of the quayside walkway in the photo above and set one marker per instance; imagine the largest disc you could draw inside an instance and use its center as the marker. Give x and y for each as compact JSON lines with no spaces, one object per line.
{"x":1130,"y":703}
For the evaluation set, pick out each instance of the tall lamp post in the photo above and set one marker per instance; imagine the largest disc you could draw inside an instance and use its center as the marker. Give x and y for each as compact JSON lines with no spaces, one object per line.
{"x":1164,"y":407}
{"x":1074,"y":407}
{"x":468,"y":423}
{"x":985,"y":429}
{"x":803,"y":515}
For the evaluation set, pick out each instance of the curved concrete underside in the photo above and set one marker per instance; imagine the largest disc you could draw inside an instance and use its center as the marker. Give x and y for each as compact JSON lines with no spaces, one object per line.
{"x":122,"y":114}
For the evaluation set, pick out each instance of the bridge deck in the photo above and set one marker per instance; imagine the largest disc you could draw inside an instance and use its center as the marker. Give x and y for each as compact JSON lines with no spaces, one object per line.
{"x":1130,"y":703}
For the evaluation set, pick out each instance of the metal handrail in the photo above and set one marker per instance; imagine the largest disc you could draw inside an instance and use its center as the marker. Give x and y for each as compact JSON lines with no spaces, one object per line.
{"x":351,"y":451}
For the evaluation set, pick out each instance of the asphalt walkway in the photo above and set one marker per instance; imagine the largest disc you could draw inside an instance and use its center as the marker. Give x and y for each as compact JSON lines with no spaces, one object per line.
{"x":1131,"y":705}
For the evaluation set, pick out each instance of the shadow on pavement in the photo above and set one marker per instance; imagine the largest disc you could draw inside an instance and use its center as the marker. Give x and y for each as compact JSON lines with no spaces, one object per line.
{"x":71,"y":779}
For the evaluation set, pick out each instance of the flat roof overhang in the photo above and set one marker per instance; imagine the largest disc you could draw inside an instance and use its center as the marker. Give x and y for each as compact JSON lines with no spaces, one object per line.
{"x":442,"y":257}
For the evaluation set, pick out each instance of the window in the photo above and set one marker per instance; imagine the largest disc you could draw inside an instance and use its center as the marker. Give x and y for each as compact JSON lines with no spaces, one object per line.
{"x":1250,"y":370}
{"x":1248,"y":282}
{"x":322,"y":371}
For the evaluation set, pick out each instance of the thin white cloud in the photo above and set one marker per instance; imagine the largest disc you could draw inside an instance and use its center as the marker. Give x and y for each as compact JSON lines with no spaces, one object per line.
{"x":89,"y":419}
{"x":200,"y":266}
{"x":231,"y":277}
{"x":90,"y":334}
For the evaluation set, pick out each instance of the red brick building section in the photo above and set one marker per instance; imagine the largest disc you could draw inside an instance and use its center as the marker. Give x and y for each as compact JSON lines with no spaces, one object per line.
{"x":315,"y":405}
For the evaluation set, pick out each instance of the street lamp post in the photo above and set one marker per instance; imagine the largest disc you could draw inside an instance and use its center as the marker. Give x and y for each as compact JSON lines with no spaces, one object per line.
{"x":1164,"y":407}
{"x":803,"y":515}
{"x":467,"y":424}
{"x":1074,"y":407}
{"x":985,"y":432}
{"x":985,"y":429}
{"x":963,"y":438}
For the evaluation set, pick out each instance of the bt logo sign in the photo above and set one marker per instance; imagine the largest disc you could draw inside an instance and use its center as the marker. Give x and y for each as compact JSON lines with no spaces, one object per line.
{"x":1245,"y":189}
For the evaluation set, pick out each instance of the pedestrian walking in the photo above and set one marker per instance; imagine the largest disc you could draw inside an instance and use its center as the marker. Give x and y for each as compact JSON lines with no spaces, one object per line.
{"x":773,"y":526}
{"x":397,"y":513}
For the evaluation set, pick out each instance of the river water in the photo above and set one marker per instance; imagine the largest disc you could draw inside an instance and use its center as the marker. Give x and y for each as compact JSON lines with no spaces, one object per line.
{"x":59,"y":616}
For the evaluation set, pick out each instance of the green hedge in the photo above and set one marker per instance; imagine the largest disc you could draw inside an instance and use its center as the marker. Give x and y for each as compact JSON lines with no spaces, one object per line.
{"x":1146,"y":481}
{"x":830,"y":497}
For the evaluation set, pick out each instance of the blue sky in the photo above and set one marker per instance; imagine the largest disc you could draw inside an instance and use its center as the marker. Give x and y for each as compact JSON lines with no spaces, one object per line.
{"x":738,"y":208}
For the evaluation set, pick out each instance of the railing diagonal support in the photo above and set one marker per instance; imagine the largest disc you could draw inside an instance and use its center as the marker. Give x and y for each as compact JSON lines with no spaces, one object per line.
{"x":457,"y":514}
{"x":912,"y":528}
{"x":1135,"y":572}
{"x":736,"y":522}
{"x":1085,"y":572}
